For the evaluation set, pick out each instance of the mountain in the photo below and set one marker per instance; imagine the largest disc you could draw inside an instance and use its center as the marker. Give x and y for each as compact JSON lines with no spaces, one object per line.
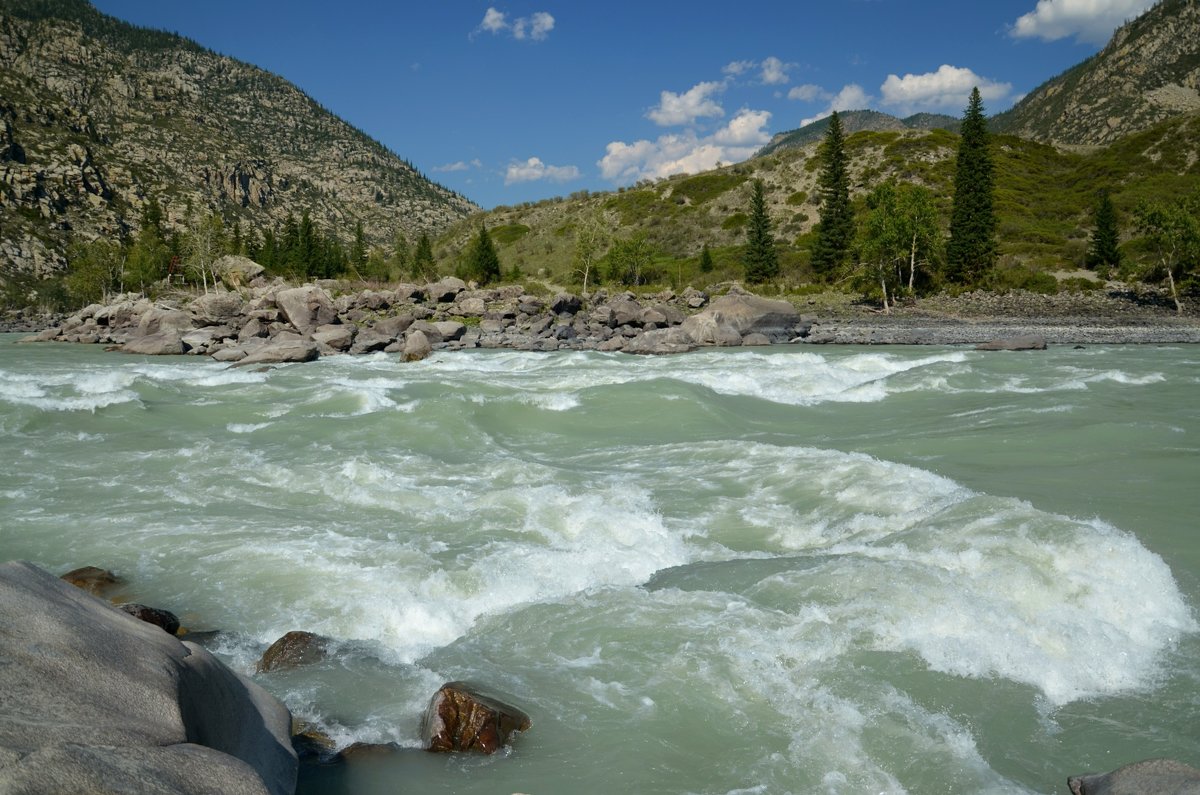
{"x":1148,"y":72}
{"x":98,"y":116}
{"x":856,"y":121}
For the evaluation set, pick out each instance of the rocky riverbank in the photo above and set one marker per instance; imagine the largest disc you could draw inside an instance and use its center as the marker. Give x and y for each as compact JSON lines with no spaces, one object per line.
{"x":248,"y":320}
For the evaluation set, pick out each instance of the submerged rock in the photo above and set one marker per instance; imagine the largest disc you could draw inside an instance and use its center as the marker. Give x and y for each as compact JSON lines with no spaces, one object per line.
{"x":92,"y":579}
{"x":461,"y":718}
{"x":1149,"y":777}
{"x":294,"y":649}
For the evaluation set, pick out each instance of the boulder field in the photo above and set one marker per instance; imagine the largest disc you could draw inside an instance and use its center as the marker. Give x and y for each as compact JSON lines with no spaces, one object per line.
{"x":98,"y":701}
{"x":271,"y":323}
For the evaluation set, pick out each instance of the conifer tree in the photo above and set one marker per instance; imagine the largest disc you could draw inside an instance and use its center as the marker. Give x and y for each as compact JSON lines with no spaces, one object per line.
{"x":760,"y":259}
{"x":358,"y":251}
{"x":971,"y":252}
{"x":1103,"y":251}
{"x":706,"y":260}
{"x":483,"y":263}
{"x":835,"y":232}
{"x":423,"y":266}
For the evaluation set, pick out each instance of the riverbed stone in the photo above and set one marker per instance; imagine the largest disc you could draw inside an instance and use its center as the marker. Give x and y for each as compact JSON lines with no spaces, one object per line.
{"x":462,"y":717}
{"x":294,"y":649}
{"x":416,"y":346}
{"x":98,"y":702}
{"x":1148,"y":777}
{"x":306,"y":308}
{"x":163,"y":619}
{"x":279,"y":351}
{"x":1021,"y":342}
{"x":93,"y":579}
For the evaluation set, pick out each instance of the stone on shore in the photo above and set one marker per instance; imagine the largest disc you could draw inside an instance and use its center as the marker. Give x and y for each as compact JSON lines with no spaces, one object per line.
{"x":307,"y":308}
{"x":168,"y":342}
{"x":281,"y":350}
{"x":96,"y":701}
{"x":1023,"y":342}
{"x":1149,"y":777}
{"x":462,"y":718}
{"x":742,"y":314}
{"x":237,"y":271}
{"x":416,"y":347}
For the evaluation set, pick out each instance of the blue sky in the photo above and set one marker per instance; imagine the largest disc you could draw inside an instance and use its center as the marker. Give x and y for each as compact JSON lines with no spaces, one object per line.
{"x":508,"y":102}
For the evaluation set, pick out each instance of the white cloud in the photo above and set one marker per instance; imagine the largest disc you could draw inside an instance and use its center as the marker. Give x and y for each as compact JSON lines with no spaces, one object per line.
{"x":461,"y":165}
{"x":736,"y":68}
{"x":685,"y":108}
{"x":774,"y":71}
{"x":686,"y":152}
{"x":534,"y":169}
{"x":947,"y":89}
{"x":851,"y":97}
{"x":536,"y":26}
{"x":807,"y":93}
{"x":1091,"y":21}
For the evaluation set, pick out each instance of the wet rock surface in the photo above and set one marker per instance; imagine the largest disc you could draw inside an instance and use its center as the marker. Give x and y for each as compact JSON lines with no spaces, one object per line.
{"x":462,"y":717}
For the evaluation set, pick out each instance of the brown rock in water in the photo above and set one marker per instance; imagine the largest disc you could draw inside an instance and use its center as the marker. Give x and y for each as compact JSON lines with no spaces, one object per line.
{"x":312,"y":744}
{"x":359,"y":751}
{"x":165,"y":619}
{"x":1148,"y":777}
{"x":92,"y":579}
{"x":460,"y":718}
{"x":293,"y":649}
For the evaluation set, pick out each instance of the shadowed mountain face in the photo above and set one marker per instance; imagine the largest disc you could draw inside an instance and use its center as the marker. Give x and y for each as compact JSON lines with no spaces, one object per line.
{"x":1148,"y":73}
{"x":98,"y":116}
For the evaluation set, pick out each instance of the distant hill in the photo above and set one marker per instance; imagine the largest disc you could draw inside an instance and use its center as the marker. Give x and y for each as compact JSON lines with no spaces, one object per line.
{"x":97,"y":116}
{"x":856,"y":121}
{"x":1044,"y":200}
{"x":1148,"y":72}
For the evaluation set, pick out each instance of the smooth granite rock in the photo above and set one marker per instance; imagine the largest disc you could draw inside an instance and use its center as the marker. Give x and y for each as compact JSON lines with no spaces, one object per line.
{"x":95,"y":701}
{"x":1148,"y":777}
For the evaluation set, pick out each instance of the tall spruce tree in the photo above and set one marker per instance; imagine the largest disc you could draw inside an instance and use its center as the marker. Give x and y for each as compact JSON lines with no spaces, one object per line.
{"x":835,"y":232}
{"x":760,"y":259}
{"x":971,"y":252}
{"x":483,"y":263}
{"x":1106,"y":237}
{"x":706,"y":260}
{"x":423,"y":266}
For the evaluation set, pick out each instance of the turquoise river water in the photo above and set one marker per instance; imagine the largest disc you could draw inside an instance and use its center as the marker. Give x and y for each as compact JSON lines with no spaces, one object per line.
{"x":786,"y":570}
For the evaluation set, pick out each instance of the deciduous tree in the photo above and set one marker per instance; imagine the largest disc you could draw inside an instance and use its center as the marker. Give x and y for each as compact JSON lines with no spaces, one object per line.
{"x":1173,"y":232}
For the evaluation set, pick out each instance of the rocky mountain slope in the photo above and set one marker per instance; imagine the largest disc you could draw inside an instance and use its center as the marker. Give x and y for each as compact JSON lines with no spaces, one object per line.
{"x":97,"y":116}
{"x":856,"y":121}
{"x":1148,"y":72}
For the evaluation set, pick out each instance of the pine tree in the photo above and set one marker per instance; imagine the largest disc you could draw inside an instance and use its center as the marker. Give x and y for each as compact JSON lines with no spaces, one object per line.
{"x":358,"y":251}
{"x":762,"y":264}
{"x":835,"y":232}
{"x":483,"y":264}
{"x":423,"y":266}
{"x":706,"y":260}
{"x":1102,"y":251}
{"x":971,"y":252}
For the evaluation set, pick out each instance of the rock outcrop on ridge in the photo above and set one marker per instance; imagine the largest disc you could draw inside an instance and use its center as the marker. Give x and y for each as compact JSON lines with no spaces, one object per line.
{"x":97,"y":701}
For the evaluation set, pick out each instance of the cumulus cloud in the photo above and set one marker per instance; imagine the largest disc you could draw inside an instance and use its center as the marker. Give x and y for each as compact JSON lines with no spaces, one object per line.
{"x":851,"y":97}
{"x":536,"y":26}
{"x":947,"y":89}
{"x":685,"y":108}
{"x":774,"y":71}
{"x":807,"y":93}
{"x":736,"y":68}
{"x":1090,"y":21}
{"x":534,"y":169}
{"x":687,"y":152}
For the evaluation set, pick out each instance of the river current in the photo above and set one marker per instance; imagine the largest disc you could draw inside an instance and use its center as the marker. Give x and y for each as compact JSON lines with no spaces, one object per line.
{"x":784,"y":570}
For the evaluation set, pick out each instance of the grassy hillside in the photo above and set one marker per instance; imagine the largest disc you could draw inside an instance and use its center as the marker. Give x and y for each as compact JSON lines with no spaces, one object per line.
{"x":1044,"y":199}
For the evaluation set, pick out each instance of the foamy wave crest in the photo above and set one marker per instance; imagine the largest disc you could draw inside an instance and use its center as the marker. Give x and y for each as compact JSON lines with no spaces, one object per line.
{"x":86,"y":391}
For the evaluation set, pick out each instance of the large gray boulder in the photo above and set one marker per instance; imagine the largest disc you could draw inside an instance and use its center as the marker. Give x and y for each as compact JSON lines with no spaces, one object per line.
{"x":237,"y":271}
{"x":742,"y":314}
{"x":281,"y":350}
{"x":307,"y":308}
{"x":1022,"y":342}
{"x":215,"y":309}
{"x":1149,"y":777}
{"x":96,"y":701}
{"x":168,"y":342}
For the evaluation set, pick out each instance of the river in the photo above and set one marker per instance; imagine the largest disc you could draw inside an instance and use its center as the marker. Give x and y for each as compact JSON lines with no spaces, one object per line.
{"x":783,"y":570}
